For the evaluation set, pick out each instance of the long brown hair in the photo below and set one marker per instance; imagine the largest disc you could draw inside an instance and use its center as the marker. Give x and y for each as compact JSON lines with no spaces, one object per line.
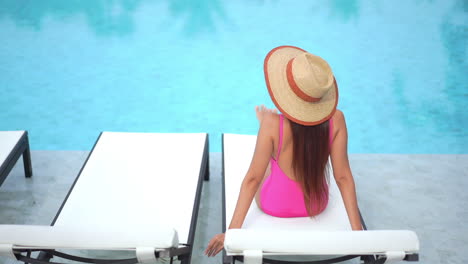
{"x":310,"y":163}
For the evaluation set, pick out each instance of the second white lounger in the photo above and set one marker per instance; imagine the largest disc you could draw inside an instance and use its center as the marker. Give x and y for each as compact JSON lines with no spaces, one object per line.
{"x":136,"y":191}
{"x":328,"y":234}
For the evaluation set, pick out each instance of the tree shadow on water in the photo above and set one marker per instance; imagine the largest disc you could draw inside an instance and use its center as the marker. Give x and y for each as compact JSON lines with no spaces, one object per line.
{"x":105,"y":17}
{"x":454,"y":33}
{"x":345,"y":9}
{"x":200,"y":15}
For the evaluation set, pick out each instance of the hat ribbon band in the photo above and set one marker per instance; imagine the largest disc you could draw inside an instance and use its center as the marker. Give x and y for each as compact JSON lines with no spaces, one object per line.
{"x":295,"y":87}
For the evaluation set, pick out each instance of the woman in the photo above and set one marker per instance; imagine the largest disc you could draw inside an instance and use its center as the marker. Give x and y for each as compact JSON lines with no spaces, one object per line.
{"x":288,"y":173}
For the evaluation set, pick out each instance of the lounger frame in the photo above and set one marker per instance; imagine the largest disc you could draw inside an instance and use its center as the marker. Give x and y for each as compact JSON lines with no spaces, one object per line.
{"x":183,"y":253}
{"x":367,"y":259}
{"x":21,"y":148}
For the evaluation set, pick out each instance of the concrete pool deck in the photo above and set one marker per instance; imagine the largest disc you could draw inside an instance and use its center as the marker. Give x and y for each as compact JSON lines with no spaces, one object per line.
{"x":425,"y":193}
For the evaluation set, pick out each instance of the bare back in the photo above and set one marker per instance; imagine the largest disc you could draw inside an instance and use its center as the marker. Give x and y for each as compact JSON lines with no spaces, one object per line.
{"x":286,"y":155}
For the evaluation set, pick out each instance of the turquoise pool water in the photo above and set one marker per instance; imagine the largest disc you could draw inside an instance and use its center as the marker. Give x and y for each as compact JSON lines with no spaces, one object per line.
{"x":70,"y":69}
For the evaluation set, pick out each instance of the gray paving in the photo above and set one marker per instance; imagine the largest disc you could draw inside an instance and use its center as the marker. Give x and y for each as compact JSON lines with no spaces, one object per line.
{"x":424,"y":193}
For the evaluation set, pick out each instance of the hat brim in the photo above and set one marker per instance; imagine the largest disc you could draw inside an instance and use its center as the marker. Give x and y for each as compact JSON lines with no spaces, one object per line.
{"x":284,"y":98}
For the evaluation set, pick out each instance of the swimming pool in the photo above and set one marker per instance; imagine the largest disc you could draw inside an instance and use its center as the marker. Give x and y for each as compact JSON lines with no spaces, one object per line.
{"x":69,"y":70}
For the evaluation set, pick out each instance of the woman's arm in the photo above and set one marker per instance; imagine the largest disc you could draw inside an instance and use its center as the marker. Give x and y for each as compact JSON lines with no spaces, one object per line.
{"x":251,"y":182}
{"x":342,"y":171}
{"x":254,"y":176}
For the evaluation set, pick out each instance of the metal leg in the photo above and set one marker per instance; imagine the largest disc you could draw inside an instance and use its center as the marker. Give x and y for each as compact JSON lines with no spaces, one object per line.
{"x":207,"y":169}
{"x":28,"y":254}
{"x":27,"y":159}
{"x":46,"y":256}
{"x":228,"y":259}
{"x":185,"y":260}
{"x":368,"y":260}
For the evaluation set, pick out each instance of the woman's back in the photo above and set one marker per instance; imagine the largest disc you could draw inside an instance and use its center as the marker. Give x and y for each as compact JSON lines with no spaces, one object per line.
{"x":281,"y":193}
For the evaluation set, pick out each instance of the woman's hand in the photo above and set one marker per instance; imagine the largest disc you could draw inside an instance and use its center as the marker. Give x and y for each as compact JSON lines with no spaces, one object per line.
{"x":262,"y":110}
{"x":215,"y":246}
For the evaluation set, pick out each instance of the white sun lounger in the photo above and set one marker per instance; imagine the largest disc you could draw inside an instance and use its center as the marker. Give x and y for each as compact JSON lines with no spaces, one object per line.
{"x":13,"y":144}
{"x":136,"y":192}
{"x":328,"y":235}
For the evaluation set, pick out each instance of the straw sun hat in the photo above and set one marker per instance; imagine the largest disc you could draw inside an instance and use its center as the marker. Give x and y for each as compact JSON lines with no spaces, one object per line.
{"x":301,"y":85}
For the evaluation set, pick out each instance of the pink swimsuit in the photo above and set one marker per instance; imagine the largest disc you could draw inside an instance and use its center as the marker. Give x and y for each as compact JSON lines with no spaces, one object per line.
{"x":282,"y":197}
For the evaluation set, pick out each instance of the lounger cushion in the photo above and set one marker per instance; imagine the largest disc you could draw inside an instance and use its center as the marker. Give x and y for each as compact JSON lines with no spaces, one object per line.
{"x":320,"y":242}
{"x":58,"y":237}
{"x":137,"y":180}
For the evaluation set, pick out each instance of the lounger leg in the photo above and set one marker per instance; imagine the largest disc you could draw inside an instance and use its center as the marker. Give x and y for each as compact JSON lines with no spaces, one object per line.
{"x":27,"y":159}
{"x":227,"y":259}
{"x":207,"y":169}
{"x":368,"y":260}
{"x":207,"y":157}
{"x":185,"y":260}
{"x":45,"y":256}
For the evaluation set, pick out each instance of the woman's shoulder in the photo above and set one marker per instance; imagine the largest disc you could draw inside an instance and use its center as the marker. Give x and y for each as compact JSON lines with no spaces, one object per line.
{"x":338,"y":116}
{"x":271,"y":120}
{"x":339,"y":123}
{"x":270,"y":124}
